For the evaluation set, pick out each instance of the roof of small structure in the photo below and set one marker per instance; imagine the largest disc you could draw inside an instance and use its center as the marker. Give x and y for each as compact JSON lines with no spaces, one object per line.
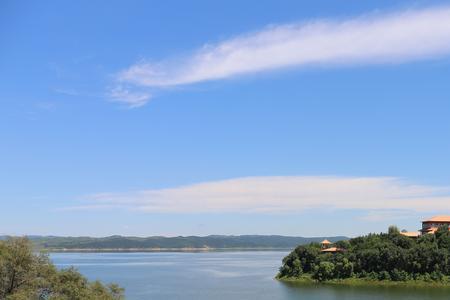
{"x":332,"y":249}
{"x":438,"y":219}
{"x":325,"y":242}
{"x":410,"y":233}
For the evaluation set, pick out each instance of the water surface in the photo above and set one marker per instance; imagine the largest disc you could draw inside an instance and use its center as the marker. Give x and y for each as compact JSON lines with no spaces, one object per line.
{"x":218,"y":275}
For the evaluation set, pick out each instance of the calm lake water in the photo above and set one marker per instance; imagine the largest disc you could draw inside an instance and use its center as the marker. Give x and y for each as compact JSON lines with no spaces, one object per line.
{"x":217,"y":275}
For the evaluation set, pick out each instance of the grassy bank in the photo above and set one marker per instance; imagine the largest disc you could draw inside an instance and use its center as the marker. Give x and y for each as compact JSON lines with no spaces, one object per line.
{"x":306,"y":279}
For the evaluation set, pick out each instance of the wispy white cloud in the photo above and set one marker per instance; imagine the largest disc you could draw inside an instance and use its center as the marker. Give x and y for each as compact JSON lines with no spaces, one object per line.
{"x":388,"y":215}
{"x":67,"y":92}
{"x":370,"y":39}
{"x":46,"y":105}
{"x":280,"y":195}
{"x":130,"y":98}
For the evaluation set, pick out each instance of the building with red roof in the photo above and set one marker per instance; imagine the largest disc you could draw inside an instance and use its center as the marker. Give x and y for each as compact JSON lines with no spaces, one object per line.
{"x":432,"y":225}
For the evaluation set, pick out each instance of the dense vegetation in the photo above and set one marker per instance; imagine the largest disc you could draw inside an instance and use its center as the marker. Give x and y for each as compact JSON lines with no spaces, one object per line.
{"x":27,"y":276}
{"x":386,"y":256}
{"x":158,"y":242}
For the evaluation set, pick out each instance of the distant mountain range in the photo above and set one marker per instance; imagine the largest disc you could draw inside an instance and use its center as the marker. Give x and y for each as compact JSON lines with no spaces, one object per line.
{"x":155,"y":243}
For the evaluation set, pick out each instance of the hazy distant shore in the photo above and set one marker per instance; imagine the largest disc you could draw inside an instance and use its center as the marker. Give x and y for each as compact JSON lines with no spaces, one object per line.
{"x":122,"y":250}
{"x":180,"y":243}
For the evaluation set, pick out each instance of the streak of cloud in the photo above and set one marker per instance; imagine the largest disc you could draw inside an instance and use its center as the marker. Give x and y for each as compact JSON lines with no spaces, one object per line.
{"x":280,"y":195}
{"x":370,"y":39}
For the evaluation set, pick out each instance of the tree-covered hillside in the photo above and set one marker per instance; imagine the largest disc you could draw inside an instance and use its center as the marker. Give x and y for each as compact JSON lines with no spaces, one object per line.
{"x":386,"y":256}
{"x":28,"y":276}
{"x":181,"y":242}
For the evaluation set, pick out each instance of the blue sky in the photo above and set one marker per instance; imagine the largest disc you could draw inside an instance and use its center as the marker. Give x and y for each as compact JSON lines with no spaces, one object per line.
{"x":206,"y":117}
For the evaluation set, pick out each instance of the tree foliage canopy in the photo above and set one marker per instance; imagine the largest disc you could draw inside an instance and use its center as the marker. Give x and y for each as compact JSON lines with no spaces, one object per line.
{"x":384,"y":256}
{"x":27,"y":276}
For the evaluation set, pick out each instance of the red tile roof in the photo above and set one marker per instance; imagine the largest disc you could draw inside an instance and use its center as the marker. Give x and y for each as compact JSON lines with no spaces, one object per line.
{"x":410,"y":234}
{"x":332,"y":249}
{"x":431,"y":230}
{"x":438,"y":219}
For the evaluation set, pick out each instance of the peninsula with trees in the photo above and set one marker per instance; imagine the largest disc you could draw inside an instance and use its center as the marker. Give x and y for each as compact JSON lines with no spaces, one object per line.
{"x":392,"y":258}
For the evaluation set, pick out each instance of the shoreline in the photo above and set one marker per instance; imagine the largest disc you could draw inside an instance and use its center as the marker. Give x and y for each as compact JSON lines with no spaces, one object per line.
{"x":365,"y":282}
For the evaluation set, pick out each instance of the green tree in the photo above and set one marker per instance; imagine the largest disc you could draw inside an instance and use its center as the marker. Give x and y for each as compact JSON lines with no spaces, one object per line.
{"x":324,"y":271}
{"x":27,"y":276}
{"x":344,"y":269}
{"x":393,"y":230}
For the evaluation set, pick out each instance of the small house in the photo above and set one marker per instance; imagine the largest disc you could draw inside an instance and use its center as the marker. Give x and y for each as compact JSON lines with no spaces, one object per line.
{"x":327,"y":247}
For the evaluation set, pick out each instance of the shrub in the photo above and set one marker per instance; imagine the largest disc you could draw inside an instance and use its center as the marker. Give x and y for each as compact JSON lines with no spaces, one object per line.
{"x":399,"y":275}
{"x":384,"y":275}
{"x":324,"y":271}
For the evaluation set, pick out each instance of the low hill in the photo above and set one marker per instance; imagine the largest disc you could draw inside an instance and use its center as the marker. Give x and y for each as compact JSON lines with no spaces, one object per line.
{"x":125,"y":243}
